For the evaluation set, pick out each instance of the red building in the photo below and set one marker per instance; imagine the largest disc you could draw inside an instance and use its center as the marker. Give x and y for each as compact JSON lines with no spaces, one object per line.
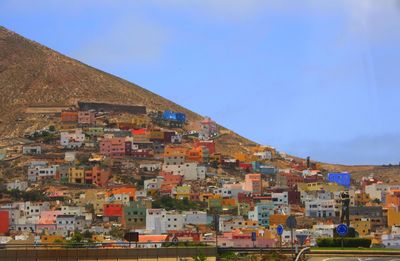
{"x":69,"y":116}
{"x":113,"y":210}
{"x":4,"y":222}
{"x":210,"y":144}
{"x":97,"y":176}
{"x":246,"y":166}
{"x":170,"y":179}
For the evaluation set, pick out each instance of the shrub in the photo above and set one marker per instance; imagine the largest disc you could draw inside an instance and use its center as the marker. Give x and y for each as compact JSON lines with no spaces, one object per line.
{"x":347,"y":242}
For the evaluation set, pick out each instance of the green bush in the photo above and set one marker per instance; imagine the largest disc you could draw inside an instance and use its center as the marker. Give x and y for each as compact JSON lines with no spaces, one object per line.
{"x":347,"y":242}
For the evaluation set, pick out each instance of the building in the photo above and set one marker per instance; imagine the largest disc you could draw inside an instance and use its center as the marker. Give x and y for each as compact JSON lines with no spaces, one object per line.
{"x":134,"y":215}
{"x":76,"y":175}
{"x":261,"y":213}
{"x":208,"y":129}
{"x":73,"y":139}
{"x":189,"y":171}
{"x":17,"y":185}
{"x":253,"y":184}
{"x":40,"y":171}
{"x":86,"y":117}
{"x":4,"y":222}
{"x":342,"y":179}
{"x":32,"y":150}
{"x":97,"y":176}
{"x":321,"y":208}
{"x":113,"y":210}
{"x":113,"y":147}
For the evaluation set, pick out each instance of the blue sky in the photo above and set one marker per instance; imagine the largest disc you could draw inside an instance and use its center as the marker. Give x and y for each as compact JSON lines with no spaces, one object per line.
{"x":311,"y":77}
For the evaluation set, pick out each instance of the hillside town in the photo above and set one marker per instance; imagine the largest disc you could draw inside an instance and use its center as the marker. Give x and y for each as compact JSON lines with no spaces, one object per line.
{"x":101,"y":170}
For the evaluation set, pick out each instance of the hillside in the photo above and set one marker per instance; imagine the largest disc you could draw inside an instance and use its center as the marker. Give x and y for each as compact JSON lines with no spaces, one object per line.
{"x":32,"y":74}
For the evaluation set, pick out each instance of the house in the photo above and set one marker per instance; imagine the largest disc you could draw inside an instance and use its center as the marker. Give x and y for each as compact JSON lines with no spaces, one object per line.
{"x":151,"y":241}
{"x":209,"y":144}
{"x":319,"y":208}
{"x":174,"y":116}
{"x":189,"y":171}
{"x":342,"y":179}
{"x":17,"y":185}
{"x":373,"y":213}
{"x":113,"y":147}
{"x":31,"y":150}
{"x":113,"y":210}
{"x":4,"y":222}
{"x":252,"y":183}
{"x":86,"y":117}
{"x":154,"y":219}
{"x":151,"y":186}
{"x":208,"y":129}
{"x":197,"y":217}
{"x":69,"y":116}
{"x":72,"y":139}
{"x":76,"y":175}
{"x":172,"y":221}
{"x":97,"y":176}
{"x":134,"y":215}
{"x":66,"y":224}
{"x":150,"y":166}
{"x":261,"y":213}
{"x":391,"y":241}
{"x":39,"y":171}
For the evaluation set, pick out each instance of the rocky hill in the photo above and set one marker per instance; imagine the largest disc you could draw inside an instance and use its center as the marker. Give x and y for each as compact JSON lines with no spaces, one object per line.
{"x":32,"y":74}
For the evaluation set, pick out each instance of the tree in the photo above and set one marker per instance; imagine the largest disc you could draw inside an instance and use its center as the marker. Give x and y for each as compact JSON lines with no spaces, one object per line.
{"x":117,"y":232}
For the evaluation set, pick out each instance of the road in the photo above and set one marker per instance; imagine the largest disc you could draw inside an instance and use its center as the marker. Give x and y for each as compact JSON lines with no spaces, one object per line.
{"x":354,"y":259}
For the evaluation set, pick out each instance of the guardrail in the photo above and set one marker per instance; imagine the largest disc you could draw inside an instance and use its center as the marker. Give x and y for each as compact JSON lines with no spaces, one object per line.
{"x":104,"y":251}
{"x":302,"y":254}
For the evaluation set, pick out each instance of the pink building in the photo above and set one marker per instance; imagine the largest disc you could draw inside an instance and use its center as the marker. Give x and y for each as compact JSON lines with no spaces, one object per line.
{"x":49,"y":217}
{"x":86,"y":117}
{"x":252,"y":183}
{"x":113,"y":147}
{"x":238,"y":239}
{"x":97,"y":176}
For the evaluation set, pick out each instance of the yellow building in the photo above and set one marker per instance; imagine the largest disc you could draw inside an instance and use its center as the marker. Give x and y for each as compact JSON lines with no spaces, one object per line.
{"x":277,"y":219}
{"x":363,"y":226}
{"x":393,"y":217}
{"x":183,"y":192}
{"x":316,"y":186}
{"x":361,"y":199}
{"x":76,"y":175}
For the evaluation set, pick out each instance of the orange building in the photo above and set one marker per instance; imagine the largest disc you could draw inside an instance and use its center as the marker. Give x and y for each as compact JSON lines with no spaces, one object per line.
{"x":393,"y":198}
{"x":97,"y":176}
{"x":172,"y":151}
{"x":277,"y":219}
{"x":69,"y":116}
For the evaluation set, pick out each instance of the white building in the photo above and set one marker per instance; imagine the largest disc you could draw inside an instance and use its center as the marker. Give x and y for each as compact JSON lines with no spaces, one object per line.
{"x":32,"y":150}
{"x":321,"y":208}
{"x":154,"y":219}
{"x":196,"y":217}
{"x":72,"y":140}
{"x":391,"y":241}
{"x":153,"y":184}
{"x":378,"y":191}
{"x":150,"y":166}
{"x":17,"y":185}
{"x":38,"y":171}
{"x":189,"y":171}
